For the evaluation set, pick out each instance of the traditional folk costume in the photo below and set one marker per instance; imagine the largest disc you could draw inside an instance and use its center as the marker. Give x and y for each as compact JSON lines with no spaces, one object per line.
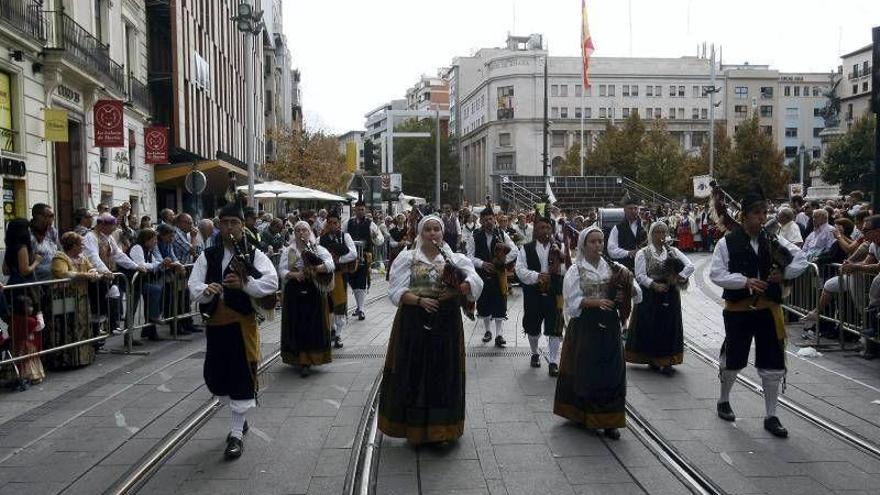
{"x":422,"y":396}
{"x":342,"y":247}
{"x":305,"y":317}
{"x":233,"y":341}
{"x":71,"y":315}
{"x":656,"y":335}
{"x":625,"y":237}
{"x":492,"y":303}
{"x":685,"y":232}
{"x":542,"y":304}
{"x":365,"y":231}
{"x":591,"y":389}
{"x":395,"y":241}
{"x":738,"y":257}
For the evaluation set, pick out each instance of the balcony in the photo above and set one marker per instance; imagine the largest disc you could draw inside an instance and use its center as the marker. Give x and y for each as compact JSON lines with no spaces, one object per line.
{"x":84,"y":51}
{"x":26,"y":17}
{"x":7,"y":139}
{"x":139,"y":94}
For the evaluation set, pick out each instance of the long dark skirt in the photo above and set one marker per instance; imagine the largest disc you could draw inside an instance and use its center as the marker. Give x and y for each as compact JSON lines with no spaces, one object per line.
{"x":305,"y":325}
{"x":70,"y":323}
{"x":658,"y":335}
{"x":591,"y":388}
{"x":493,"y":300}
{"x":423,"y":382}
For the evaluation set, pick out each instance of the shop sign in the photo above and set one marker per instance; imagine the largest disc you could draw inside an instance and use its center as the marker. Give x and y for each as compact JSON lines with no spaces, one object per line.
{"x":156,"y":145}
{"x":109,"y":124}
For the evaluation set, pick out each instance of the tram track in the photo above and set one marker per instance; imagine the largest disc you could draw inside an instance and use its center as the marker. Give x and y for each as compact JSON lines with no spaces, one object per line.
{"x":142,"y":471}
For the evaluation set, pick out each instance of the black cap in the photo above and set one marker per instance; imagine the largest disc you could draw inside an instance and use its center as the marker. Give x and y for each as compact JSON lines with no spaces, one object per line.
{"x":232,"y":209}
{"x":334,"y":213}
{"x":753,"y":199}
{"x":487,"y":211}
{"x":359,"y":203}
{"x":629,"y":201}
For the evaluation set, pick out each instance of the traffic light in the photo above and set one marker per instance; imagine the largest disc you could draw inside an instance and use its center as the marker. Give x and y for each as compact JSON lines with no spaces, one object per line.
{"x":368,"y":154}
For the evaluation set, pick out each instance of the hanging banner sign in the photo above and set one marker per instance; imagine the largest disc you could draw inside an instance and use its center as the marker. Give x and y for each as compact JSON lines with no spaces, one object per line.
{"x":156,"y":145}
{"x":796,"y":189}
{"x":702,"y":189}
{"x":55,"y":120}
{"x":109,"y":124}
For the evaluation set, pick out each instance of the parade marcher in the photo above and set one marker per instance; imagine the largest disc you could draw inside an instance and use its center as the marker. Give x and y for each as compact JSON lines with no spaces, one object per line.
{"x":342,"y":248}
{"x":540,"y":269}
{"x":451,"y":227}
{"x":396,"y":241}
{"x":305,"y":320}
{"x":685,"y":230}
{"x":591,"y":389}
{"x":468,"y":226}
{"x":656,"y":336}
{"x":422,"y":395}
{"x":743,"y":265}
{"x":362,"y":229}
{"x":224,"y":283}
{"x":628,"y":236}
{"x":486,"y":253}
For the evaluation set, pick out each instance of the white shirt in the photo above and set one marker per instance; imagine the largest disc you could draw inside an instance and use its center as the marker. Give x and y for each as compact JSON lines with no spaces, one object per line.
{"x":321,"y":251}
{"x":791,"y":233}
{"x":352,"y":250}
{"x":720,"y":273}
{"x":259,"y":287}
{"x":641,"y":266}
{"x":820,"y":240}
{"x":472,"y":248}
{"x":375,"y":233}
{"x":802,"y":219}
{"x":401,"y":273}
{"x":137,"y":255}
{"x":523,"y":273}
{"x":91,"y":249}
{"x":571,"y":286}
{"x":614,"y":249}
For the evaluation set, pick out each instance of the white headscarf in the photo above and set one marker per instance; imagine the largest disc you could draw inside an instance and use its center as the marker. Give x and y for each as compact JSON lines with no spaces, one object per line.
{"x":581,"y":259}
{"x":302,"y":223}
{"x":421,"y":227}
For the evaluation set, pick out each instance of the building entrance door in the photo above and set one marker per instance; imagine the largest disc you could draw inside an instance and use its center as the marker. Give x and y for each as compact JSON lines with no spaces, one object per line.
{"x":68,"y":177}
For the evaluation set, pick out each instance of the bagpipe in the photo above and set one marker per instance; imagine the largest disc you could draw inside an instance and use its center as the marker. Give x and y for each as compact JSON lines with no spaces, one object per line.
{"x":334,"y":242}
{"x":620,"y":288}
{"x":311,"y":261}
{"x":452,"y":278}
{"x":242,"y":264}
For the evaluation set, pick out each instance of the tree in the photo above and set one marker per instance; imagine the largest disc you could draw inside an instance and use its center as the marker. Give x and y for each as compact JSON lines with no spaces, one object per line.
{"x":310,"y":159}
{"x":753,"y":160}
{"x":661,"y":162}
{"x":848,"y":161}
{"x":571,"y":163}
{"x":415,"y":159}
{"x":616,"y":149}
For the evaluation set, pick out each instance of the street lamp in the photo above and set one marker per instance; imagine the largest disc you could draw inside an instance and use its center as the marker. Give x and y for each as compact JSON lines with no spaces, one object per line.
{"x":802,"y":151}
{"x":249,"y":22}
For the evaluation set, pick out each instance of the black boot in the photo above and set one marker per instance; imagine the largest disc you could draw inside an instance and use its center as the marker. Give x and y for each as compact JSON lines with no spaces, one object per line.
{"x":487,"y":337}
{"x":536,"y":361}
{"x":612,"y":433}
{"x":553,"y":369}
{"x":775,"y":428}
{"x":726,"y":413}
{"x":500,"y":342}
{"x":337,"y":343}
{"x":234,"y":448}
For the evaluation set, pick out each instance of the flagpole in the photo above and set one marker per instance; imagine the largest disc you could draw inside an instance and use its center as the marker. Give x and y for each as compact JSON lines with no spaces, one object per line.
{"x":583,"y":101}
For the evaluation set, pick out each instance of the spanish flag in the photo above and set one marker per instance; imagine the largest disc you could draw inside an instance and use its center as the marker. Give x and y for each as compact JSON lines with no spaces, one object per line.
{"x":586,"y":43}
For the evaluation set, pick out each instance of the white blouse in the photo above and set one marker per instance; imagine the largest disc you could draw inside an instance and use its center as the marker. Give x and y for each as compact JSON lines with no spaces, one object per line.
{"x":255,"y":287}
{"x":284,"y":261}
{"x":572,"y":290}
{"x":401,"y":272}
{"x":642,"y":263}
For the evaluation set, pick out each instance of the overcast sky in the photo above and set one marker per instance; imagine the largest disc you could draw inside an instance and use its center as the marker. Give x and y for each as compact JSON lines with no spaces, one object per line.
{"x":357,"y":54}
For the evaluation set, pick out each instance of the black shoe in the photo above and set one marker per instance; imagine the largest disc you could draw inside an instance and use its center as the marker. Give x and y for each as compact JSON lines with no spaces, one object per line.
{"x":234,"y":448}
{"x":667,"y":370}
{"x":337,"y":343}
{"x":725,"y":412}
{"x":361,"y":316}
{"x":536,"y":361}
{"x":775,"y":428}
{"x":244,"y":430}
{"x":612,"y":433}
{"x":500,"y":342}
{"x":653,"y":367}
{"x":553,"y":369}
{"x":304,"y":371}
{"x":487,"y":336}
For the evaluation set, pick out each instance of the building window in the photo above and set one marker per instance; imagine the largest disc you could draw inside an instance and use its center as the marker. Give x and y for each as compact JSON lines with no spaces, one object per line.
{"x":817,"y":131}
{"x":695,"y":113}
{"x":657,"y":114}
{"x":681,"y":91}
{"x":625,"y":90}
{"x":817,"y":112}
{"x":791,"y":151}
{"x":817,"y":153}
{"x":671,"y":113}
{"x":791,"y":113}
{"x":787,"y":91}
{"x":797,"y":90}
{"x":9,"y":137}
{"x":695,"y":90}
{"x":865,"y":86}
{"x":768,"y":129}
{"x":649,"y":112}
{"x":855,"y":72}
{"x":634,"y":90}
{"x":610,"y":90}
{"x":625,"y":113}
{"x":505,"y":103}
{"x":766,"y":110}
{"x":704,"y":113}
{"x":658,"y":91}
{"x":554,"y":90}
{"x":563,"y":113}
{"x":791,"y":132}
{"x":816,"y":91}
{"x":504,"y":139}
{"x":504,"y":162}
{"x":603,"y":114}
{"x":563,"y":90}
{"x":649,"y":90}
{"x":806,"y":91}
{"x":741,"y":92}
{"x":558,"y":139}
{"x":588,"y":113}
{"x":578,"y":90}
{"x":697,"y":139}
{"x":588,"y":91}
{"x":855,"y":89}
{"x":603,"y":90}
{"x":132,"y":154}
{"x":672,"y":90}
{"x":104,"y":159}
{"x":741,"y":110}
{"x":577,"y":112}
{"x":681,"y":114}
{"x":554,"y":112}
{"x":766,"y":92}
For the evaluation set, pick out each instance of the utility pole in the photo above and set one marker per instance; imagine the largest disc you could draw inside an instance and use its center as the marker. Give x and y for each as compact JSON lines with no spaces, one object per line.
{"x":875,"y":100}
{"x":546,"y":120}
{"x":249,"y":23}
{"x":803,"y":152}
{"x":712,"y":91}
{"x":437,"y":164}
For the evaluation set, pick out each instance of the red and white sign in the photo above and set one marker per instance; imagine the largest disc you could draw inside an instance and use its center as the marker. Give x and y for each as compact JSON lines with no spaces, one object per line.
{"x":109,"y":124}
{"x":156,"y":145}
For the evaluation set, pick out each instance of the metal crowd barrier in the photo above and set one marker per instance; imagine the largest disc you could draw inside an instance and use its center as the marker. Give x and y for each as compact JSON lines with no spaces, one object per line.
{"x":61,"y":302}
{"x":162,"y":293}
{"x":853,"y":314}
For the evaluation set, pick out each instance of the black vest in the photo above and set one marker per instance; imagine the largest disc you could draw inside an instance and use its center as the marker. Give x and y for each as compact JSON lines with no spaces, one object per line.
{"x":360,"y":231}
{"x":236,"y":299}
{"x":625,"y":238}
{"x":481,"y":250}
{"x":397,"y":233}
{"x":533,"y":263}
{"x":743,"y":260}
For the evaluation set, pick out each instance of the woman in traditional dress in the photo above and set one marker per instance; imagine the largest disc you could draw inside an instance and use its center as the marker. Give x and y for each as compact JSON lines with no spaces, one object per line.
{"x":305,"y":317}
{"x":685,"y":229}
{"x":591,"y":388}
{"x":423,"y":382}
{"x":656,"y":337}
{"x":72,"y":302}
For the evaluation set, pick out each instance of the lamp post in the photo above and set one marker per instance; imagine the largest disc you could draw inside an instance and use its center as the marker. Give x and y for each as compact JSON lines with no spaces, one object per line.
{"x":249,"y":22}
{"x":802,"y":151}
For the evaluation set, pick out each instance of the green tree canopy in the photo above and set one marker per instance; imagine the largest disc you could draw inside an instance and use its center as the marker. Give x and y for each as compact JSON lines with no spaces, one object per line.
{"x":415,"y":160}
{"x":848,"y":161}
{"x":661,"y":162}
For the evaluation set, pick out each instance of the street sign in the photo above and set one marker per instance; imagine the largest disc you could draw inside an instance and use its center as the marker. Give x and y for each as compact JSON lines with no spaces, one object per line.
{"x":386,"y":182}
{"x":195,"y":182}
{"x":396,"y":182}
{"x":445,"y":186}
{"x":702,"y":189}
{"x":796,"y":189}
